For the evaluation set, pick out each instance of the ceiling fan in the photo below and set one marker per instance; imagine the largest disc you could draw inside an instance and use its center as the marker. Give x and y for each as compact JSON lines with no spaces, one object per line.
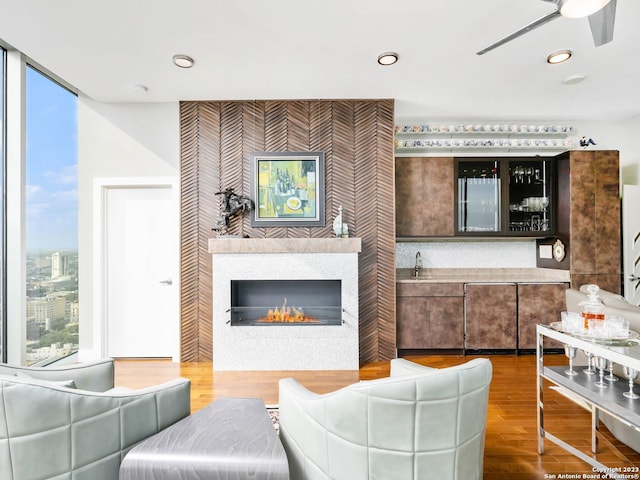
{"x":601,"y":15}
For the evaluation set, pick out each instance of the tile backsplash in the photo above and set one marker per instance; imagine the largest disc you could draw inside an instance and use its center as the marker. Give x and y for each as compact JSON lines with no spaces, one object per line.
{"x":451,"y":254}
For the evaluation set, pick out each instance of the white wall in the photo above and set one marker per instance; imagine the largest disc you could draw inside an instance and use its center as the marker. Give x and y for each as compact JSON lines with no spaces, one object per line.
{"x":117,"y":140}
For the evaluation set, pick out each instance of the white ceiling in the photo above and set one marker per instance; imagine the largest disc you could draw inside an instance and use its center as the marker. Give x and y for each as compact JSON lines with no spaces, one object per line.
{"x":293,"y":49}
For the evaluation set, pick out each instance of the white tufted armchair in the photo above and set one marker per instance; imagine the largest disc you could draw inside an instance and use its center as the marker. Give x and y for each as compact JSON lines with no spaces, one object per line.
{"x":68,"y":422}
{"x":420,"y":423}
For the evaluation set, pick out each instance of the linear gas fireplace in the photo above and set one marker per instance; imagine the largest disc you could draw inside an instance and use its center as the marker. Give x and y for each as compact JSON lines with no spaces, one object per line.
{"x":286,"y":302}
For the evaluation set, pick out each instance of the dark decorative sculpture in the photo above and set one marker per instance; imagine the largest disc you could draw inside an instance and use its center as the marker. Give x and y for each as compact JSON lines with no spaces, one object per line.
{"x":585,"y":143}
{"x":232,"y":205}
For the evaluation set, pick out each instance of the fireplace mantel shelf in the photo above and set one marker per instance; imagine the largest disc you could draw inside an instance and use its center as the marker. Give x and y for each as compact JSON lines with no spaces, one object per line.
{"x":285,"y":245}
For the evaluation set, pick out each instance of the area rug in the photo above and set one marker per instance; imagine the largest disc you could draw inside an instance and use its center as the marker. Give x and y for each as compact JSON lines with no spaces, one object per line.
{"x":274,"y":413}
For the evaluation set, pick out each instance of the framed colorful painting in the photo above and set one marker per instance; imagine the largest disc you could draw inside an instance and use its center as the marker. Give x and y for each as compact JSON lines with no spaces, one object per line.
{"x":288,"y":189}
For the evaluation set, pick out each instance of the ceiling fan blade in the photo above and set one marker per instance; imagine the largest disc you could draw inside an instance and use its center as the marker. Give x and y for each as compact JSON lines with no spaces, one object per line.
{"x":522,"y":31}
{"x":602,"y":22}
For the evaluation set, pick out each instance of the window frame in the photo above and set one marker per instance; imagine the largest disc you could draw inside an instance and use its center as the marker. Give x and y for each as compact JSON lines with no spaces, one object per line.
{"x":14,"y":200}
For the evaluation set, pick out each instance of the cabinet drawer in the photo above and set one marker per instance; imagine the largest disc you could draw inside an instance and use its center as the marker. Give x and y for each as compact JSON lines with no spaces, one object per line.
{"x":430,"y":289}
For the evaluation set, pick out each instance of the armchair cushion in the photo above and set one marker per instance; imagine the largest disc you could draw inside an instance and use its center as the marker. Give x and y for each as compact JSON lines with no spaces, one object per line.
{"x":50,"y":431}
{"x":424,"y":425}
{"x":400,"y":366}
{"x":96,"y":376}
{"x":58,"y":383}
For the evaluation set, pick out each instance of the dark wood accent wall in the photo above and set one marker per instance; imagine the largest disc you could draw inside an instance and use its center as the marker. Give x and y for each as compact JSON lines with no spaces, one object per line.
{"x":217,"y":139}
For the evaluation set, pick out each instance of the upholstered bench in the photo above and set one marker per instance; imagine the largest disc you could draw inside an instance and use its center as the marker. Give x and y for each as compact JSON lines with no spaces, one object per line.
{"x":231,"y":438}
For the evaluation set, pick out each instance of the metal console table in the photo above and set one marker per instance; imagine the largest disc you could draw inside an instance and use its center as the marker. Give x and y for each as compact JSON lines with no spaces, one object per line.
{"x":610,"y":400}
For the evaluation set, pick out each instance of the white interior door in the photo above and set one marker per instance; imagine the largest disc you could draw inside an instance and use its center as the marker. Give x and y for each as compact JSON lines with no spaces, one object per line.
{"x":631,"y":242}
{"x":141,"y":263}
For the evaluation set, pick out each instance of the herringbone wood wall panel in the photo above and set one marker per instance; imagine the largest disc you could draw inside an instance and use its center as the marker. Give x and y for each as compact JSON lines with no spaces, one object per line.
{"x":217,"y":139}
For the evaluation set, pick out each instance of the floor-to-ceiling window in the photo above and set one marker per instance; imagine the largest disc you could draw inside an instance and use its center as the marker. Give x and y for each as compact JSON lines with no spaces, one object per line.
{"x":3,"y":326}
{"x":51,"y":219}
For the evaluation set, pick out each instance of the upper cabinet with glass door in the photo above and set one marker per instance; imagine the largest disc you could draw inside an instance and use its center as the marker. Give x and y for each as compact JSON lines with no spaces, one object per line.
{"x":504,"y":197}
{"x":478,"y":197}
{"x":530,"y":193}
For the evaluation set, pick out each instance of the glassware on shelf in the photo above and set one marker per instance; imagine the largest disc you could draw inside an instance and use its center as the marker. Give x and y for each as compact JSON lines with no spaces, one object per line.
{"x":571,"y":322}
{"x":601,"y":364}
{"x":631,"y":374}
{"x":571,"y":353}
{"x":611,"y":377}
{"x":589,"y":370}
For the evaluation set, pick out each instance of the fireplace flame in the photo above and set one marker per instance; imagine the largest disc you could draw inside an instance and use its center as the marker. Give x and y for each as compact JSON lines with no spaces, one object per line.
{"x":286,"y":314}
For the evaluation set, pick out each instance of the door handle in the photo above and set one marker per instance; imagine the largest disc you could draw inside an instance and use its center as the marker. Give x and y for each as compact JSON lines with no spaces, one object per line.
{"x":166,"y":282}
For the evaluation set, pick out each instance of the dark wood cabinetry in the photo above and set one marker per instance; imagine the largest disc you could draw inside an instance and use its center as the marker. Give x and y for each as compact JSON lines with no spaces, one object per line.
{"x":491,"y":316}
{"x":476,"y":316}
{"x":594,"y":223}
{"x":424,"y":196}
{"x":538,"y":303}
{"x":447,"y":196}
{"x":430,"y":316}
{"x":588,"y":212}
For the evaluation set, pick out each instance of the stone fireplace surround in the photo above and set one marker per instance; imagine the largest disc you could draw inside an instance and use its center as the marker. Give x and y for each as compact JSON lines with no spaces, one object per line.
{"x":286,"y":347}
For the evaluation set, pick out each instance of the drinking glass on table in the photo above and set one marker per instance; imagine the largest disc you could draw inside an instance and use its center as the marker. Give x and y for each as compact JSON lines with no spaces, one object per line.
{"x":571,"y":353}
{"x":631,"y":374}
{"x":601,"y":364}
{"x":571,"y":322}
{"x":611,"y":377}
{"x":589,"y":370}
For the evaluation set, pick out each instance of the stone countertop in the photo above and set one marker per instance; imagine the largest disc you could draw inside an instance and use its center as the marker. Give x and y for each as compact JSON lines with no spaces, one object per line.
{"x":482,"y":275}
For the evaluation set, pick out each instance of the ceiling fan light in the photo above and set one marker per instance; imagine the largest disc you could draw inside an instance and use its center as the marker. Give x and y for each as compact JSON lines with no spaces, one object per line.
{"x":580,"y":8}
{"x":387,"y":58}
{"x":559,"y":56}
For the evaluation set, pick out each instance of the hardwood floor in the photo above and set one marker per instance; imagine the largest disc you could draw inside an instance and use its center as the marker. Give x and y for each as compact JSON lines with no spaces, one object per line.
{"x":511,"y":440}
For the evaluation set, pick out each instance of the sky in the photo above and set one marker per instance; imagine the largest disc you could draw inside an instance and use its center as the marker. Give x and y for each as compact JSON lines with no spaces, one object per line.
{"x":52,"y":165}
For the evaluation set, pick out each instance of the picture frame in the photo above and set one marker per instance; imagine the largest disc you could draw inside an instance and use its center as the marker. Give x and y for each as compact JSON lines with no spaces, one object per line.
{"x":287,"y":189}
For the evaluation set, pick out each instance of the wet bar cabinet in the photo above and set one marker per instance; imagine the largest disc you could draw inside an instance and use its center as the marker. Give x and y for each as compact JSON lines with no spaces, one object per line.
{"x":504,"y":196}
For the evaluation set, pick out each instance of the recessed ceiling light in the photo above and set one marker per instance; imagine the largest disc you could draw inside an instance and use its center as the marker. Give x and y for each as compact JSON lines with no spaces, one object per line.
{"x":559,"y":57}
{"x":580,"y":8}
{"x":183,"y":61}
{"x":387,"y":58}
{"x":574,"y":79}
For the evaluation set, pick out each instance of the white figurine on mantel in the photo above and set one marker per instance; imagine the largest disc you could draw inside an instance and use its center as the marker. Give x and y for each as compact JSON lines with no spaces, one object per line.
{"x":339,"y":228}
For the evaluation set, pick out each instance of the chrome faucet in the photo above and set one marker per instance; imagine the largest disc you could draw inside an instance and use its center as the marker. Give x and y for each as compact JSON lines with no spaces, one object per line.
{"x":418,"y":265}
